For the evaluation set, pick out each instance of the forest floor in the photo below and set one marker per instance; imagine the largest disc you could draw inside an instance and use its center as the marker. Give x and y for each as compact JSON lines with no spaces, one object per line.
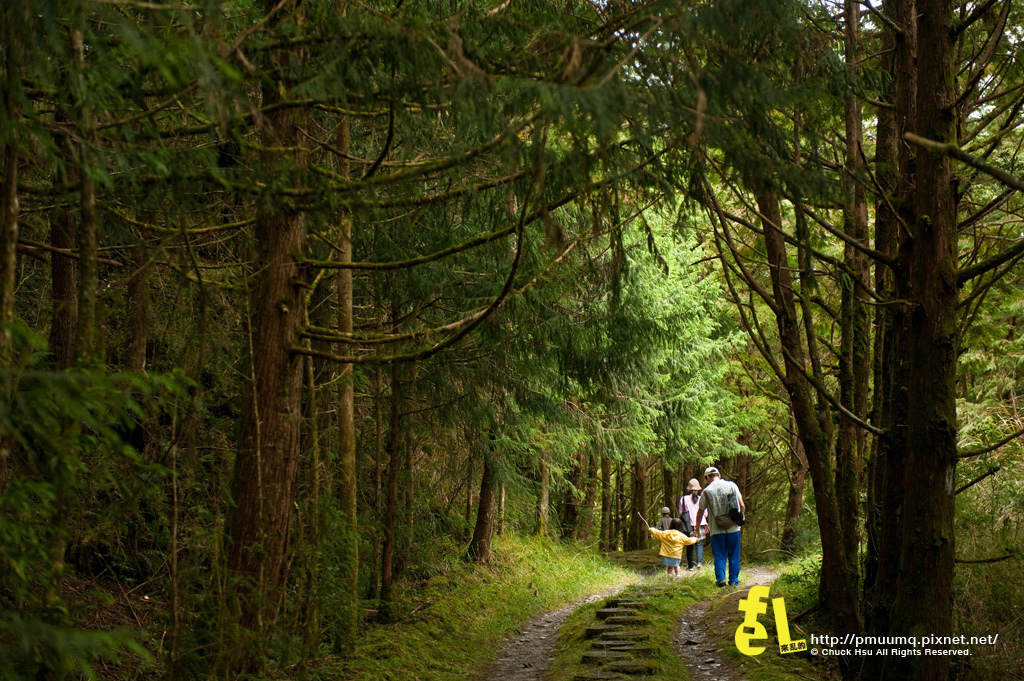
{"x":700,"y":638}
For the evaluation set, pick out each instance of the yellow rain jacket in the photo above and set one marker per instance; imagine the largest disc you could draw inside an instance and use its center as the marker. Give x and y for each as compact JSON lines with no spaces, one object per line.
{"x":672,"y":542}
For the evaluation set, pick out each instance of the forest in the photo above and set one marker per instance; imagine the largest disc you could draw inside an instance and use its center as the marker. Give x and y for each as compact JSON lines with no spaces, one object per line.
{"x":304,"y":303}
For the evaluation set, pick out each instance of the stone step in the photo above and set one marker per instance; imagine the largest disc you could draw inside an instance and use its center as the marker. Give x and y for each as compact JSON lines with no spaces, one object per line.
{"x":603,"y":656}
{"x":605,"y":613}
{"x":596,"y":630}
{"x":626,"y":619}
{"x":634,"y":649}
{"x":612,"y":643}
{"x":620,"y":634}
{"x":624,"y":603}
{"x":632,"y":667}
{"x":598,"y":675}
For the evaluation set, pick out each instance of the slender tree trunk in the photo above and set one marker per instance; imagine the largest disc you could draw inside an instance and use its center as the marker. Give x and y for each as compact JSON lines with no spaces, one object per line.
{"x":348,"y":541}
{"x":8,"y":248}
{"x":391,"y":512}
{"x":795,"y":500}
{"x":891,"y":455}
{"x":590,"y":498}
{"x":853,"y":358}
{"x":544,"y":499}
{"x":620,"y":503}
{"x":378,"y":458}
{"x":606,"y":504}
{"x":64,"y":275}
{"x":88,"y":231}
{"x":668,"y":490}
{"x":140,"y":312}
{"x":570,"y":509}
{"x":887,"y":173}
{"x":638,"y":535}
{"x":480,"y":546}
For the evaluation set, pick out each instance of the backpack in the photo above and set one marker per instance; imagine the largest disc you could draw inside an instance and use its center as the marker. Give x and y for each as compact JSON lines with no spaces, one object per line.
{"x":734,"y":518}
{"x":737,"y":516}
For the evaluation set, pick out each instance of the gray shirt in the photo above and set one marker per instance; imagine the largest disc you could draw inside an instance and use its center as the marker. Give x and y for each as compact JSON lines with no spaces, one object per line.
{"x":664,"y":523}
{"x":715,"y":498}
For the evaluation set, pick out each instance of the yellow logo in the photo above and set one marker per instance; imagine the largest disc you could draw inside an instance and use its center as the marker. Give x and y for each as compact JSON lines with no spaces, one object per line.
{"x":756,"y":604}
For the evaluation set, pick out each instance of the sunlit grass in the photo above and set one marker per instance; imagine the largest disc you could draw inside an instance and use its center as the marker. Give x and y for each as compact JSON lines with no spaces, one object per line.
{"x":456,"y":625}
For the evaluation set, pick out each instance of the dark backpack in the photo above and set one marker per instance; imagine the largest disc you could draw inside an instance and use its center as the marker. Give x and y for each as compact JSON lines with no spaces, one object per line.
{"x":735,"y":514}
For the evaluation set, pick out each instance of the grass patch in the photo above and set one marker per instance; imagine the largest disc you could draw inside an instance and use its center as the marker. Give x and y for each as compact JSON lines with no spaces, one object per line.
{"x":665,"y":602}
{"x":455,"y":623}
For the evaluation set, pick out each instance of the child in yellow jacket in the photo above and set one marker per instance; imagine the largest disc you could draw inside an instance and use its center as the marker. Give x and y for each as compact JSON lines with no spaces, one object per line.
{"x":672,"y":542}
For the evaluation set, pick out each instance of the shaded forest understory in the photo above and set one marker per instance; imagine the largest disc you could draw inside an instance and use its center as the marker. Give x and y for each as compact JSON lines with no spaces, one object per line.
{"x":303,"y":301}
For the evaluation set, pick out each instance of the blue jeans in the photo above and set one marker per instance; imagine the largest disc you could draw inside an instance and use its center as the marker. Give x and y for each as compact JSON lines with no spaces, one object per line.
{"x":699,"y":549}
{"x":726,"y":548}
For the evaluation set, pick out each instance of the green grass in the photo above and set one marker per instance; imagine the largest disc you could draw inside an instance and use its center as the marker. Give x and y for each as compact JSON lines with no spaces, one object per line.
{"x":666,"y":601}
{"x":455,"y":624}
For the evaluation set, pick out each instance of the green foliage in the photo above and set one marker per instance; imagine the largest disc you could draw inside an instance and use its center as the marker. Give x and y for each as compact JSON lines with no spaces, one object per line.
{"x":455,"y":624}
{"x":71,"y":489}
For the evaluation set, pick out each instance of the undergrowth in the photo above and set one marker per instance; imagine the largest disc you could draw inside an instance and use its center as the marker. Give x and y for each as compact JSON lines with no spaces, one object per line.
{"x":454,"y":624}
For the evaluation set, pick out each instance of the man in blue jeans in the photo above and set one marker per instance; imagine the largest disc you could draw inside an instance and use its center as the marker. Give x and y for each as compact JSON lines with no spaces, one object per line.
{"x":715,"y":501}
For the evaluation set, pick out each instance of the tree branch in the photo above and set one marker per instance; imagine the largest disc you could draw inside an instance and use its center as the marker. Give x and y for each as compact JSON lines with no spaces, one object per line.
{"x":985,"y":450}
{"x":991,"y":471}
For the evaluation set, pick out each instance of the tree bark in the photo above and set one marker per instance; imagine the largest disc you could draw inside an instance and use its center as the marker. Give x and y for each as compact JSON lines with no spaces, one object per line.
{"x":348,"y":542}
{"x":638,"y":535}
{"x":795,"y":499}
{"x":267,"y":464}
{"x":391,"y":509}
{"x":64,"y":275}
{"x":926,"y":278}
{"x":813,"y":433}
{"x":480,"y":546}
{"x":88,"y":231}
{"x":8,"y":249}
{"x":140,"y":311}
{"x":589,"y":498}
{"x":606,"y":504}
{"x":544,"y":499}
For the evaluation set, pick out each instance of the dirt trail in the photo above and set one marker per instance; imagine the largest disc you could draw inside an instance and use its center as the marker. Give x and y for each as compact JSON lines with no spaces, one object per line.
{"x":526,"y":657}
{"x":708,"y":625}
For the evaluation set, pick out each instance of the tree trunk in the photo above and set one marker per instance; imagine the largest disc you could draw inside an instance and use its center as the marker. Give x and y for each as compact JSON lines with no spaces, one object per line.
{"x":853,"y":357}
{"x":668,"y":490}
{"x":842,"y":594}
{"x":267,"y":463}
{"x":544,"y":499}
{"x":140,"y":311}
{"x":638,"y":535}
{"x":480,"y":546}
{"x":926,"y":278}
{"x":606,"y":504}
{"x":64,"y":278}
{"x":590,"y":498}
{"x":8,"y":249}
{"x":571,"y":506}
{"x":378,"y":457}
{"x":391,"y":510}
{"x":348,"y":540}
{"x":888,"y":479}
{"x":891,"y":172}
{"x":88,"y":231}
{"x":795,"y":500}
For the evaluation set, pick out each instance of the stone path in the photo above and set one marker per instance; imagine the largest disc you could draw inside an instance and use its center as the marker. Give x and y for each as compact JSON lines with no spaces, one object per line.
{"x":701,"y":632}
